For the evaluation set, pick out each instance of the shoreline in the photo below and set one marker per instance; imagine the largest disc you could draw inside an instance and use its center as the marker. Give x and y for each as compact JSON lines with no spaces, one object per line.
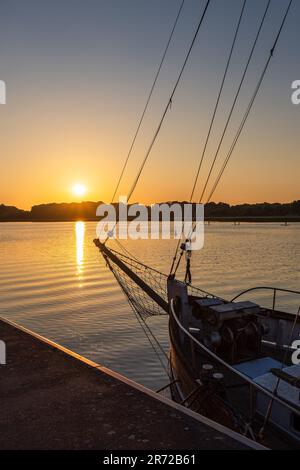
{"x":271,"y":219}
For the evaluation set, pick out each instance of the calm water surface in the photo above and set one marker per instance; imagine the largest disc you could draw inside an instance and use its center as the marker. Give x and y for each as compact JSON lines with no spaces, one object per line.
{"x":54,"y":281}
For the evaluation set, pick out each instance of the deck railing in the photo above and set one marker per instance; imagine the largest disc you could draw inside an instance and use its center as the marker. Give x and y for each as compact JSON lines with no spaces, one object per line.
{"x":225,"y":364}
{"x":275,"y":290}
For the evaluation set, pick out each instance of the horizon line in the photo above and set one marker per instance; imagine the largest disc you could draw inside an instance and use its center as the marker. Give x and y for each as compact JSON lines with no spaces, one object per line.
{"x":149,"y":204}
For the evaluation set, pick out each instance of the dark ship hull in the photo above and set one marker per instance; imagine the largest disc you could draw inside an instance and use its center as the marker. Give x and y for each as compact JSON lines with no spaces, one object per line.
{"x":231,"y":361}
{"x":224,"y":356}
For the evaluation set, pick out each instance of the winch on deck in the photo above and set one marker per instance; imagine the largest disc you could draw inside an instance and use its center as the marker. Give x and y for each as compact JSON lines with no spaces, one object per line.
{"x":232,"y":330}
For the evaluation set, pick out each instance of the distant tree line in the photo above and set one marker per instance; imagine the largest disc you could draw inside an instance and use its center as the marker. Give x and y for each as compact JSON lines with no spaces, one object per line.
{"x":264,"y":209}
{"x":87,"y":211}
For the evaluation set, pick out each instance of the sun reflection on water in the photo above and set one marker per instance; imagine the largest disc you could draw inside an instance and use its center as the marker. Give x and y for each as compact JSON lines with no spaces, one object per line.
{"x":80,"y":230}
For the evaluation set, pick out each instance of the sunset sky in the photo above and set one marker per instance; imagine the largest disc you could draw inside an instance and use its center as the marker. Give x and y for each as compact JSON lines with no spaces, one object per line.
{"x":78,"y":74}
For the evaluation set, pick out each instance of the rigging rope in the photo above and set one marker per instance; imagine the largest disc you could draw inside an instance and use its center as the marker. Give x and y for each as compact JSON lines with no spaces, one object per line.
{"x":245,"y":117}
{"x":148,"y":100}
{"x":158,"y":349}
{"x":141,"y":301}
{"x":125,"y":250}
{"x":126,"y":270}
{"x":149,"y":334}
{"x":249,"y":106}
{"x":271,"y":403}
{"x":235,"y":99}
{"x":218,"y":98}
{"x":213,"y":117}
{"x":170,"y":100}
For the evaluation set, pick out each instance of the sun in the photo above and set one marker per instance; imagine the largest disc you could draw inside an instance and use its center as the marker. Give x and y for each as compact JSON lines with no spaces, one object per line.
{"x":79,"y":189}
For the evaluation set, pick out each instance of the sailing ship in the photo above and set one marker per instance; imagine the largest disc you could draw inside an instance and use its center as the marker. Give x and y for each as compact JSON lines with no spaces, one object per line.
{"x":230,"y":359}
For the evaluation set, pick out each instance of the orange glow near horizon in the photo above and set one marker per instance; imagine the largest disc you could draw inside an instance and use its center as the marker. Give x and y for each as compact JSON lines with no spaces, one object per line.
{"x":78,"y":85}
{"x":166,"y":177}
